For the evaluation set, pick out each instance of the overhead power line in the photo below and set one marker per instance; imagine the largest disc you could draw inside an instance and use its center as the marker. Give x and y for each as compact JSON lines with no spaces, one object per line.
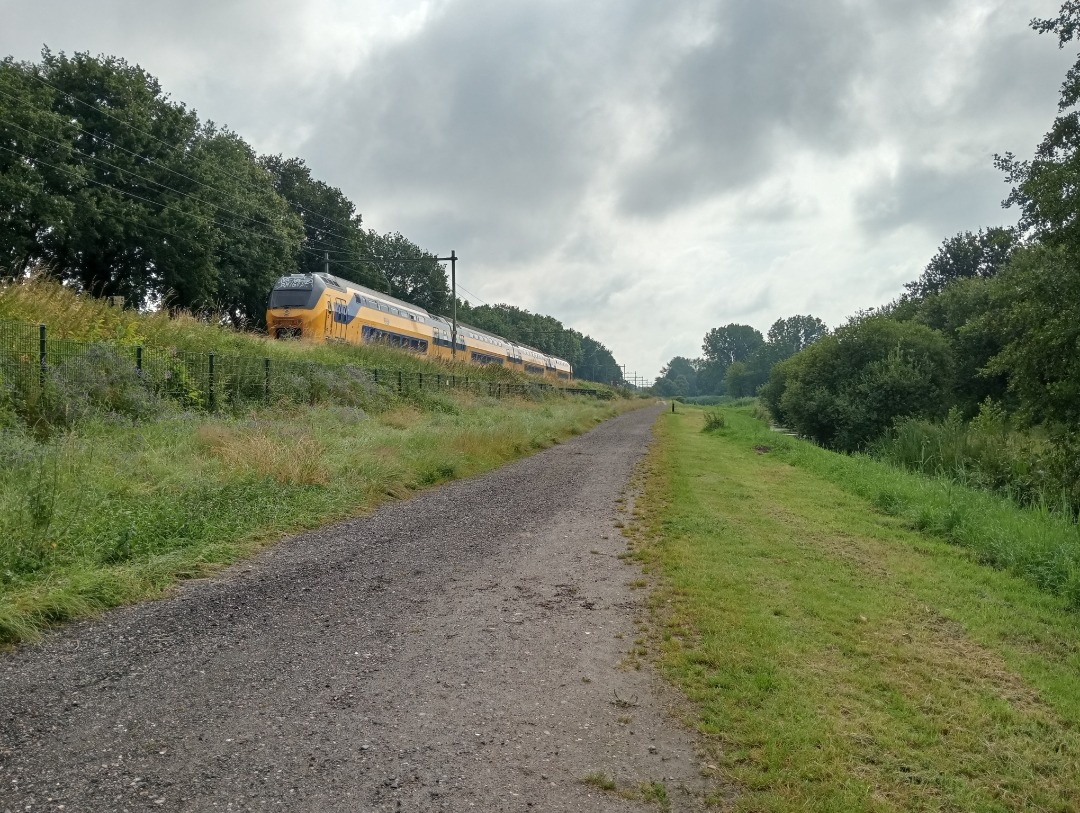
{"x":173,"y":147}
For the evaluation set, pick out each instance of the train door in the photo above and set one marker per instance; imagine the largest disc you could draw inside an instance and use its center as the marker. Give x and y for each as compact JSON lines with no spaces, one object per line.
{"x":340,"y":325}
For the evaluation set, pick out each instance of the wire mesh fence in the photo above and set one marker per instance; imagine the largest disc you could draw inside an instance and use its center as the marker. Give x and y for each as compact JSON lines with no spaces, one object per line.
{"x":60,"y":378}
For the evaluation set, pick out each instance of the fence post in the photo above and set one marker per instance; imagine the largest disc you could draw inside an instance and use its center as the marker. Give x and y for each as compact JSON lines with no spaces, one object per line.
{"x":138,"y":359}
{"x":210,"y":399}
{"x":266,"y":379}
{"x":43,"y":358}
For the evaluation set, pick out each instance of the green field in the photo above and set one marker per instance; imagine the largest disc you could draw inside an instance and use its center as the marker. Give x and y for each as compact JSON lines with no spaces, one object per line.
{"x":839,"y":657}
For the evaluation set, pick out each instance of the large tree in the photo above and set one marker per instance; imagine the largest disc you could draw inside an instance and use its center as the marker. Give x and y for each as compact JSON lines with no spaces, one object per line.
{"x":113,"y":188}
{"x":795,"y":333}
{"x":408,"y":271}
{"x":334,"y":239}
{"x":730,"y":343}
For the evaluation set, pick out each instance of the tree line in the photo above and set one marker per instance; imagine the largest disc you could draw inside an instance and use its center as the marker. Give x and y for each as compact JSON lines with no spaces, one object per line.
{"x":736,"y":359}
{"x":589,"y":358}
{"x":989,"y":331}
{"x":110,"y":186}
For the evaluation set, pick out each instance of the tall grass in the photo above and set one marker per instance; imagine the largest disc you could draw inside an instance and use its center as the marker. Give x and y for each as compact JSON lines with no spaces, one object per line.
{"x":1028,"y":466}
{"x":70,"y":315}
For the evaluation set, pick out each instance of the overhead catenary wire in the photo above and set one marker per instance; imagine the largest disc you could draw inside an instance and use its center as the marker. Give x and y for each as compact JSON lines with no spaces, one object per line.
{"x":320,"y":244}
{"x":223,"y":226}
{"x":174,"y":147}
{"x":316,"y":248}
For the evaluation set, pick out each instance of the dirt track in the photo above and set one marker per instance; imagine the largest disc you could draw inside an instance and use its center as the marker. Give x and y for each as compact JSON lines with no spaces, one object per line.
{"x":458,"y":651}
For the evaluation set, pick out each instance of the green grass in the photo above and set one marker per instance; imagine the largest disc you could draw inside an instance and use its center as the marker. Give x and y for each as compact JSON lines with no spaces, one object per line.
{"x":112,"y":512}
{"x":840,"y":658}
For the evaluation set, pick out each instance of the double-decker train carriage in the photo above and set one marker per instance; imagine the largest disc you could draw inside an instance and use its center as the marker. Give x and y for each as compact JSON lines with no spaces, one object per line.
{"x":323,"y":307}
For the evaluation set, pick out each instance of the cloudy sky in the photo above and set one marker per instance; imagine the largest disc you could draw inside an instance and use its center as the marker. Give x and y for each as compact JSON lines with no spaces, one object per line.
{"x":643,"y":171}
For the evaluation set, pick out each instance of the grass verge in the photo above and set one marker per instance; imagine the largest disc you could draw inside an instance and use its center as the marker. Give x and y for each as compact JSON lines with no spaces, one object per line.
{"x":842,"y":659}
{"x":112,"y":512}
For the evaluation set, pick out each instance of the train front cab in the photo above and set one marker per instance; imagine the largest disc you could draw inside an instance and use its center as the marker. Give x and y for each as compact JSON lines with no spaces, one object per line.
{"x":295,"y":308}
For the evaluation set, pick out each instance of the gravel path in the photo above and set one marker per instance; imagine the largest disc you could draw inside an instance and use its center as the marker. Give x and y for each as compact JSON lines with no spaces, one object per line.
{"x":457,"y":651}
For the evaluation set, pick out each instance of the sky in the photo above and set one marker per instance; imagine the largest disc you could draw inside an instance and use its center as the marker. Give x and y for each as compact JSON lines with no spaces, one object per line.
{"x":642,"y":171}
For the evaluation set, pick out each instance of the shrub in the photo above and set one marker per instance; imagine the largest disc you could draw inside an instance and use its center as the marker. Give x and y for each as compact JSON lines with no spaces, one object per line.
{"x":714,"y":419}
{"x":847,"y":389}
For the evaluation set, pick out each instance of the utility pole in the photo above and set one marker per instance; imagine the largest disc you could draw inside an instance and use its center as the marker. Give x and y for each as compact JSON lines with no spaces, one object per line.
{"x":326,"y":262}
{"x":453,"y":295}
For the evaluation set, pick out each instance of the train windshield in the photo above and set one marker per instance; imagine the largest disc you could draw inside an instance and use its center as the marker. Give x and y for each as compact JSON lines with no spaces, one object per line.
{"x":290,"y":299}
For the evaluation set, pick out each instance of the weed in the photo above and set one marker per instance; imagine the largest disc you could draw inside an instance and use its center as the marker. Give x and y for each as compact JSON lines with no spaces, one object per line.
{"x":600,"y":780}
{"x":714,"y":420}
{"x":656,"y":793}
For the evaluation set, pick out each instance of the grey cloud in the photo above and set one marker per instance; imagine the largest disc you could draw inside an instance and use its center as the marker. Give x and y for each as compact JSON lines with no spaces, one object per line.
{"x":940,"y":201}
{"x":774,"y":68}
{"x":493,"y":116}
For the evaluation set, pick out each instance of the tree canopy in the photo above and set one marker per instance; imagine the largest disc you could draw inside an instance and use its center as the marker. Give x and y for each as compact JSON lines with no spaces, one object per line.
{"x":965,"y":256}
{"x":112,"y":187}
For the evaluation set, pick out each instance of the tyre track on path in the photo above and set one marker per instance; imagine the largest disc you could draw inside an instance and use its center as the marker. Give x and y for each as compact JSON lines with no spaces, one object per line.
{"x":455,"y":651}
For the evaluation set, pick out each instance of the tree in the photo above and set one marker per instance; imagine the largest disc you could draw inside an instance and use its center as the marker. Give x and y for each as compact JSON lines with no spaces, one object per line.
{"x":965,"y":256}
{"x":35,"y":173}
{"x":679,"y":368}
{"x":846,"y":389}
{"x":794,"y":334}
{"x":739,"y":380}
{"x":968,"y":314}
{"x":597,"y":363}
{"x":1035,"y":312}
{"x":114,"y":189}
{"x":257,"y":237}
{"x":333,"y":234}
{"x":710,"y":377}
{"x":131,"y":227}
{"x":1045,"y":187}
{"x":731,"y":343}
{"x":410,"y":273}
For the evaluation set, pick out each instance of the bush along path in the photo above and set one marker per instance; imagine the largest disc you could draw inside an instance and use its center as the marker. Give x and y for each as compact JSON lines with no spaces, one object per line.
{"x":838,"y":646}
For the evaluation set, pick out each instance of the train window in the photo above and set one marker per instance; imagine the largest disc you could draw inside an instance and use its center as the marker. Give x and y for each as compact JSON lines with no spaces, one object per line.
{"x":290,"y":299}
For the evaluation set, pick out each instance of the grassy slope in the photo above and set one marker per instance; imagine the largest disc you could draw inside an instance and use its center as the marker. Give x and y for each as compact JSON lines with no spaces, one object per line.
{"x":85,"y":318}
{"x":839,"y":658}
{"x":113,"y":512}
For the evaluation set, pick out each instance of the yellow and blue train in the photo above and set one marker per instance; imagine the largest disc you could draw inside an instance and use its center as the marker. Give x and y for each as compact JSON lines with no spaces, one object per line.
{"x":323,"y":307}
